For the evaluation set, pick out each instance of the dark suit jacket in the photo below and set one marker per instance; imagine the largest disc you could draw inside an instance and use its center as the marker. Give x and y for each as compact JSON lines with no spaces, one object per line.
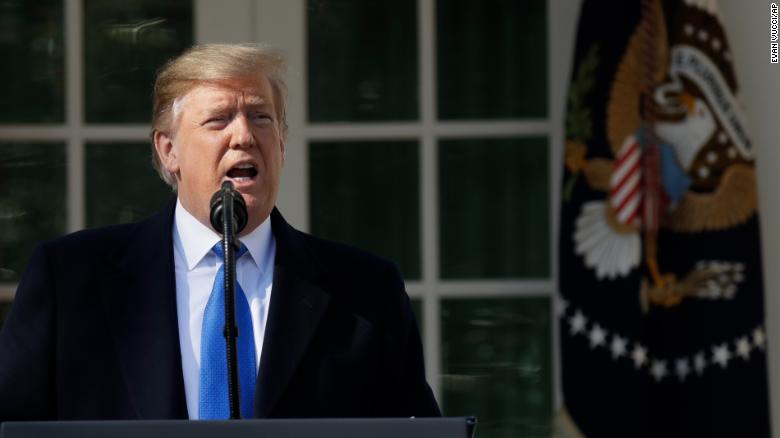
{"x":93,"y":332}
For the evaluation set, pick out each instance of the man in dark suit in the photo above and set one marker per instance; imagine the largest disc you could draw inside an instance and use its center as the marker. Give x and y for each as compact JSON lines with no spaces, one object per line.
{"x":116,"y":323}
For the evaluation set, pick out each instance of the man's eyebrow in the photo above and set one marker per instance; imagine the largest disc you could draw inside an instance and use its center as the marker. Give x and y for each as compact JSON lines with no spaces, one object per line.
{"x":252,"y":102}
{"x":259,"y":101}
{"x":215,"y":109}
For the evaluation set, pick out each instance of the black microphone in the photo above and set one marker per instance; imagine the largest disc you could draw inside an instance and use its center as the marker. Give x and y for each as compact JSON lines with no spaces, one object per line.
{"x":228,"y":194}
{"x":228,"y":217}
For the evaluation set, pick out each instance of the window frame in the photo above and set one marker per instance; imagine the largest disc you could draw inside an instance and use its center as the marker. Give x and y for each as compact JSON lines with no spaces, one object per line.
{"x":248,"y":20}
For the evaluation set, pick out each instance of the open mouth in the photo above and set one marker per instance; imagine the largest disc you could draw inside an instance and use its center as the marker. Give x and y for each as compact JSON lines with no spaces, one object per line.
{"x":242,"y":172}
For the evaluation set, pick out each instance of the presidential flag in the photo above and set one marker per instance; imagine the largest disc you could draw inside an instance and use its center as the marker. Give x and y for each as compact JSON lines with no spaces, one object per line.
{"x":661,"y":304}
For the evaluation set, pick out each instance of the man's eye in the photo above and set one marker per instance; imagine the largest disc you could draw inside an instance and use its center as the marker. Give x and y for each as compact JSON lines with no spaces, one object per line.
{"x":261,"y":117}
{"x":217,"y":120}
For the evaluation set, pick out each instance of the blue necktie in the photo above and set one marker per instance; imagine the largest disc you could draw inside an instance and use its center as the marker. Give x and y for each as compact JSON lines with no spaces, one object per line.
{"x":214,"y":403}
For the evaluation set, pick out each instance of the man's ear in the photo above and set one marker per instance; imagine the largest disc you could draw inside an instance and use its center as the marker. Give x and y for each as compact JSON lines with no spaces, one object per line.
{"x":166,"y":152}
{"x":284,"y":151}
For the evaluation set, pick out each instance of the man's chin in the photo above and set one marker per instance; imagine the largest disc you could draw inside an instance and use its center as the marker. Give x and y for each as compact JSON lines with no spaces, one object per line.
{"x":256,"y":210}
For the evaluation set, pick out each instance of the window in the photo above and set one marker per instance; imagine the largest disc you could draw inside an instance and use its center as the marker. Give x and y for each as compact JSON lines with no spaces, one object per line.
{"x":428,"y":141}
{"x":74,"y":148}
{"x":421,"y":130}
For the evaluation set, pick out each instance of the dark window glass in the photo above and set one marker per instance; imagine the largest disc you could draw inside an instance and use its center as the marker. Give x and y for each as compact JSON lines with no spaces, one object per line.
{"x":32,"y":75}
{"x":492,"y":59}
{"x":32,"y":201}
{"x":362,"y":60}
{"x":494,"y":219}
{"x":496,"y":364}
{"x":367,"y":194}
{"x":121,"y":184}
{"x":125,"y":43}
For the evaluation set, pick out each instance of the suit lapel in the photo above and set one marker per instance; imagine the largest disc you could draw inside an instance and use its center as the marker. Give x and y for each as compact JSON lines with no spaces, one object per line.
{"x":297,"y":306}
{"x":140,"y":299}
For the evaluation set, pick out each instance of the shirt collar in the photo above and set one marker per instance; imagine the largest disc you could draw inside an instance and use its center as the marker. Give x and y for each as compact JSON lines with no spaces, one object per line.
{"x":196,"y":239}
{"x":259,"y":243}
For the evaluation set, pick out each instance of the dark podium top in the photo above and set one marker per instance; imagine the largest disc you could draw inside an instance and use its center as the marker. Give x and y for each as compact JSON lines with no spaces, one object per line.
{"x":285,"y":428}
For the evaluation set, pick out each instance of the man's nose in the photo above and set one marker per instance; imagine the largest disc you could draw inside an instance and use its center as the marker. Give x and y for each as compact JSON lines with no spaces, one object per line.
{"x":241,"y":135}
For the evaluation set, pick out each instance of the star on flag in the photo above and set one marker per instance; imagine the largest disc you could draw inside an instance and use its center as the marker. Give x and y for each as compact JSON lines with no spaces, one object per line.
{"x":682,"y":368}
{"x":577,"y":323}
{"x":639,"y":356}
{"x":658,"y":369}
{"x":699,"y":363}
{"x":597,"y":336}
{"x":759,"y":340}
{"x":721,"y":355}
{"x":743,"y":348}
{"x":618,"y":347}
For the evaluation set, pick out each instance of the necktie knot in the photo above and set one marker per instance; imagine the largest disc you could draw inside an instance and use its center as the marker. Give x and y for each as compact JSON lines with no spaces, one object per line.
{"x":217,"y":248}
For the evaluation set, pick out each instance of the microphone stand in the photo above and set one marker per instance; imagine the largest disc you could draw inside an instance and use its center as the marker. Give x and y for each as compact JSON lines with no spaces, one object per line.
{"x":231,"y":330}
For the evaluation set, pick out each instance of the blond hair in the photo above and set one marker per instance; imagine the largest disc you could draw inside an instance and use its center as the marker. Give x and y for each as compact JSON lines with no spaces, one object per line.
{"x":212,"y":63}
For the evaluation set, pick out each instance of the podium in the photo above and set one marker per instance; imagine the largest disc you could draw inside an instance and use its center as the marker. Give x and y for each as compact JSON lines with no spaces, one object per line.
{"x":455,"y":427}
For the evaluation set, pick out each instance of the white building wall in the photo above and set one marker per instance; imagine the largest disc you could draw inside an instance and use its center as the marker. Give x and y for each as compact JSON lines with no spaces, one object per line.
{"x":747,"y":24}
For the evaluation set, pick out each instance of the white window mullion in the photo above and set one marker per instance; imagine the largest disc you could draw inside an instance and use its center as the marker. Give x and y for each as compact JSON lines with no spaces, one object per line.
{"x":555,"y":96}
{"x":497,"y":288}
{"x":364,"y":131}
{"x":283,"y":25}
{"x":31,"y":132}
{"x":216,"y":22}
{"x":461,"y":129}
{"x":426,"y":28}
{"x":74,"y":113}
{"x":492,"y":128}
{"x":122,"y":133}
{"x":75,"y":184}
{"x":486,"y":288}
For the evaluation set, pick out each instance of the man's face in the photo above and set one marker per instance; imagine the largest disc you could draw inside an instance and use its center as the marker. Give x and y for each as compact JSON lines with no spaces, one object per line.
{"x":226,"y":131}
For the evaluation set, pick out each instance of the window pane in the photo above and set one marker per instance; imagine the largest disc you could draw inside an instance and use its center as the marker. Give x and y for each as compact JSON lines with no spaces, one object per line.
{"x":5,"y":307}
{"x":362,"y":60}
{"x":492,"y":58}
{"x":125,"y":43}
{"x":494,"y":208}
{"x":32,"y":75}
{"x":367,"y":194}
{"x":121,"y":184}
{"x":496,"y":364}
{"x":32,"y":201}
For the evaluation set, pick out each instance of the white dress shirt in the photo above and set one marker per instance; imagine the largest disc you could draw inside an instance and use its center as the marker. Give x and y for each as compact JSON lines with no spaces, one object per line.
{"x":196,"y":267}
